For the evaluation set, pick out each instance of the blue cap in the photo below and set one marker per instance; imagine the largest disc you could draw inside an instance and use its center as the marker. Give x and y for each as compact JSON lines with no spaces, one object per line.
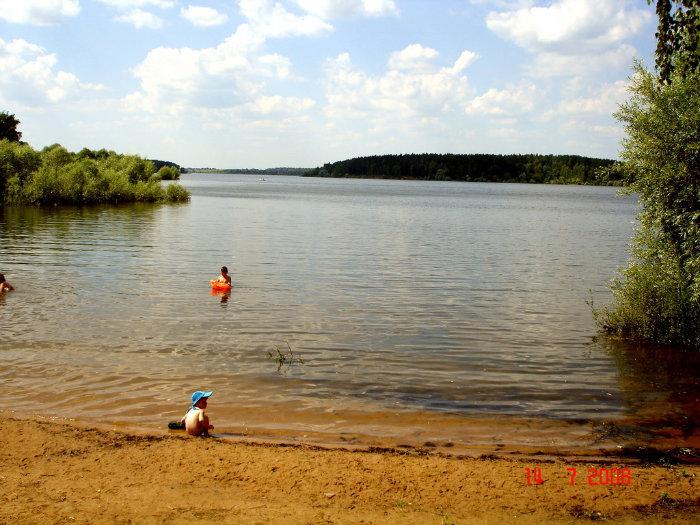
{"x":199,"y":394}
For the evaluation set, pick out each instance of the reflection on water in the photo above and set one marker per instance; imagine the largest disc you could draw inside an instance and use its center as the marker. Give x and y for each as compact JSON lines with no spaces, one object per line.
{"x":223,"y":296}
{"x":457,"y":298}
{"x":661,"y":385}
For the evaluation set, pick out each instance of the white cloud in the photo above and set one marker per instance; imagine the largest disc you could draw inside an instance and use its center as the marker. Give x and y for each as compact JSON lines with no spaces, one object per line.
{"x":38,"y":12}
{"x":265,"y":105}
{"x":223,"y":76}
{"x":418,"y":58}
{"x":28,"y":75}
{"x":464,"y":61}
{"x":329,"y":9}
{"x":275,"y":21}
{"x":604,"y":101}
{"x":611,"y":131}
{"x":503,"y":133}
{"x":553,"y":64}
{"x":233,"y":73}
{"x":509,"y":101}
{"x":569,"y":25}
{"x":275,"y":65}
{"x":414,"y":56}
{"x":228,"y":75}
{"x":590,"y":131}
{"x":572,"y":37}
{"x":134,"y":4}
{"x":503,"y":4}
{"x":203,"y":16}
{"x":400,"y":92}
{"x":140,"y":19}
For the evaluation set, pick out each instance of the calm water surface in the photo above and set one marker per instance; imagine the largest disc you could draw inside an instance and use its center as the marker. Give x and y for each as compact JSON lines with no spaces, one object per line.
{"x":459,"y":298}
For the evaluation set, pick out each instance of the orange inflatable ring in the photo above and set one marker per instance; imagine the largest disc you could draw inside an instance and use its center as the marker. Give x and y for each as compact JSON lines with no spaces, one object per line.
{"x":219,"y":286}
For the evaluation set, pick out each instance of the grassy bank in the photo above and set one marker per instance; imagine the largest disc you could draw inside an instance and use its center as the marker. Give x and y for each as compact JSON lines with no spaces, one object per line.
{"x":55,"y":176}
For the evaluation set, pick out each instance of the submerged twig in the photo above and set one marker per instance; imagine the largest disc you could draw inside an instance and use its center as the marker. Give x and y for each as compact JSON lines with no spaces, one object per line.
{"x":285,"y":358}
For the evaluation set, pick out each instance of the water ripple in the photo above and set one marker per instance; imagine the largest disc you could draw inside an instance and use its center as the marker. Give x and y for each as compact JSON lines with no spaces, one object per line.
{"x":466,"y":298}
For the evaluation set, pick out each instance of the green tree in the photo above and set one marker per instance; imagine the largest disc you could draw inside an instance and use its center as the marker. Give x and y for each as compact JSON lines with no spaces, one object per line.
{"x":658,"y":297}
{"x":8,"y":127}
{"x":677,"y":37}
{"x":17,"y":162}
{"x":57,"y":176}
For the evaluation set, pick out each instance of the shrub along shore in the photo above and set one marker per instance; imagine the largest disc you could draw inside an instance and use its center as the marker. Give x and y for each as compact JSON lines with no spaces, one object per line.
{"x":55,"y":176}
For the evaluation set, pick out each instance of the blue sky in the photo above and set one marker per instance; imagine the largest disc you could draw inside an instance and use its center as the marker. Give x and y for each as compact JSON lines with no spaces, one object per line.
{"x":263,"y":83}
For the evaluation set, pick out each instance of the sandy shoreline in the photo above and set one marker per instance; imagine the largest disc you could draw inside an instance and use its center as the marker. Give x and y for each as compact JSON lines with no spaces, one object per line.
{"x":58,"y":472}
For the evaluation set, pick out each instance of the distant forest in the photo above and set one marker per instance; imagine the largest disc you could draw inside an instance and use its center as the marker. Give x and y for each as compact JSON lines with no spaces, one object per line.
{"x":249,"y":171}
{"x":542,"y":169}
{"x":160,"y":163}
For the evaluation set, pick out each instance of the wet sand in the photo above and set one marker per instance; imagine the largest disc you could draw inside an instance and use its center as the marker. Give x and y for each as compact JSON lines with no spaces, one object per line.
{"x":355,"y":424}
{"x":66,"y":472}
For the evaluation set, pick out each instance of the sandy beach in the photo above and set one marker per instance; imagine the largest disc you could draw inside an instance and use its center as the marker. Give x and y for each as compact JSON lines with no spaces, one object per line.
{"x":65,"y":472}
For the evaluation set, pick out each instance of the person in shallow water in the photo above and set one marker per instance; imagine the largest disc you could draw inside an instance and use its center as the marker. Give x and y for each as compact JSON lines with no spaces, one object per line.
{"x":4,"y":285}
{"x":196,"y":421}
{"x":224,"y":277}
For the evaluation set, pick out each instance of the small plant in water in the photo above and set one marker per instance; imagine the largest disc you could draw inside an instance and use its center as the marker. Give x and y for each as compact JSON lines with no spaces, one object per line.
{"x":284,"y":358}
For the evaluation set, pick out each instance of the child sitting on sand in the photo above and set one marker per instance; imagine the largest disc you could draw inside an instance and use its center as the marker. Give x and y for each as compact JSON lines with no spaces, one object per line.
{"x":224,"y":277}
{"x":4,"y":285}
{"x":196,"y":421}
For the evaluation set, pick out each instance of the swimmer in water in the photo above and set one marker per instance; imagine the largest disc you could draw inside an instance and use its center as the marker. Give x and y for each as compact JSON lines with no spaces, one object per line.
{"x":224,"y":277}
{"x":4,"y":285}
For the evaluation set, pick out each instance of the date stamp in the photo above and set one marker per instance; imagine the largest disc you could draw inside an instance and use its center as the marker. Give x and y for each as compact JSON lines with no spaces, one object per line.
{"x":596,"y":476}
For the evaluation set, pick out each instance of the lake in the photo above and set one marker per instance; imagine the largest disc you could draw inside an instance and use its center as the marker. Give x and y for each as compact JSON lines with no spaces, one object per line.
{"x":405,"y":304}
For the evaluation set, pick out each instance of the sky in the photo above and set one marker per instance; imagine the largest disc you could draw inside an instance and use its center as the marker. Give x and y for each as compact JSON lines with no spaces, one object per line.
{"x":265,"y":83}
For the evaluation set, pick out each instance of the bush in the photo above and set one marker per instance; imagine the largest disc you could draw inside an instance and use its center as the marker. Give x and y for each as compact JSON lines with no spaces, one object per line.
{"x":169,"y":173}
{"x":176,"y":193}
{"x":658,"y":298}
{"x":653,"y":300}
{"x":17,"y":162}
{"x":148,"y":192}
{"x":57,"y":176}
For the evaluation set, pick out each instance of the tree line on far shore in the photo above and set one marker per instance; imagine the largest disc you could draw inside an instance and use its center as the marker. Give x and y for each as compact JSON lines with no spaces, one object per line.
{"x":530,"y":168}
{"x":55,"y":175}
{"x":248,"y":171}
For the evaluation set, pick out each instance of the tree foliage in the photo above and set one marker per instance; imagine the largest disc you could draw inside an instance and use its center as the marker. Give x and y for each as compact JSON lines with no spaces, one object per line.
{"x":8,"y":127}
{"x":168,"y":173}
{"x":677,"y":37}
{"x":174,"y":173}
{"x":57,"y":176}
{"x":558,"y":169}
{"x":658,"y":296}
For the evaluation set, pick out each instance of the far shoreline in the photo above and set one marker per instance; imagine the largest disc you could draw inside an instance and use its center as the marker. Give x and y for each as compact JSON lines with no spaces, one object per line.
{"x":527,"y":168}
{"x":366,"y":178}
